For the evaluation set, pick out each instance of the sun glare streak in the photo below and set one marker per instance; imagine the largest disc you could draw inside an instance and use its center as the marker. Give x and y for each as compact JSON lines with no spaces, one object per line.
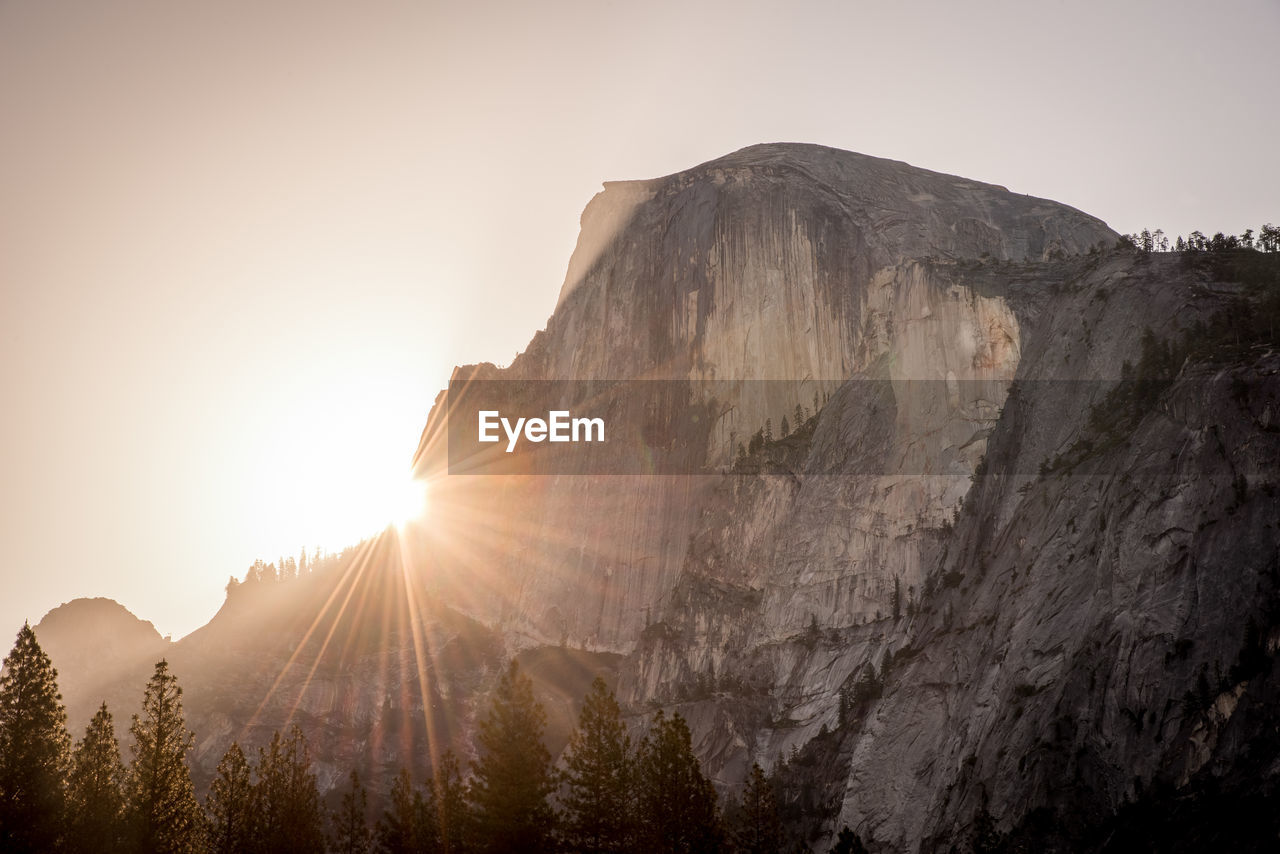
{"x":357,"y":567}
{"x":421,"y":641}
{"x":409,"y":504}
{"x":465,"y":550}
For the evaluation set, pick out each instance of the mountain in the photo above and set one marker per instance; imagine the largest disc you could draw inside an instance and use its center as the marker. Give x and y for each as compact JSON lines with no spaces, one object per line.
{"x":780,"y":271}
{"x":1011,"y":573}
{"x":1057,"y":567}
{"x":103,"y":653}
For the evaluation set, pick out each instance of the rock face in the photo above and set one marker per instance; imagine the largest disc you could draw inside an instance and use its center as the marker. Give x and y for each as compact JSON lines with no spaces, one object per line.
{"x":798,"y":264}
{"x":985,"y":583}
{"x":1056,"y":668}
{"x":1036,"y":593}
{"x":1043,"y":655}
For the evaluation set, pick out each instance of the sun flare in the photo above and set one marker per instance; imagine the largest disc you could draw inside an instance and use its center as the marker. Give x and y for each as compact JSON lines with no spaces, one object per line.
{"x":406,"y":503}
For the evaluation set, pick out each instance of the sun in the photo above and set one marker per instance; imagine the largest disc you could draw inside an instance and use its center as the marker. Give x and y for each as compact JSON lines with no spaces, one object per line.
{"x":406,"y":502}
{"x":328,"y":483}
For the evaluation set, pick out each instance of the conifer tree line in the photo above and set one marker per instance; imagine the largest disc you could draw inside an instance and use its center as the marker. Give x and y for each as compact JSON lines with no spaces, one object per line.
{"x":607,"y":794}
{"x":1155,"y":240}
{"x":284,"y":569}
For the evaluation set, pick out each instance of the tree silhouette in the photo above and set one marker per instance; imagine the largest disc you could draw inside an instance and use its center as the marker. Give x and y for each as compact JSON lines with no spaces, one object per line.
{"x":1269,"y":238}
{"x":869,"y":685}
{"x":95,"y":789}
{"x":35,"y":749}
{"x":286,"y":804}
{"x":449,"y":803}
{"x":676,"y":803}
{"x":847,"y":842}
{"x":350,"y":823}
{"x":163,"y":811}
{"x":513,"y":775}
{"x":758,"y":830}
{"x":408,"y":825}
{"x":229,"y":804}
{"x":597,"y":797}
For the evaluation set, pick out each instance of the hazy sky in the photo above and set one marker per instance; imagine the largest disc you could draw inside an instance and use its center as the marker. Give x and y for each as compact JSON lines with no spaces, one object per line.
{"x":242,"y":244}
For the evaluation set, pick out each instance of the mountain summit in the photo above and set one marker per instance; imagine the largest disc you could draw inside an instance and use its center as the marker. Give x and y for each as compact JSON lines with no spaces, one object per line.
{"x":997,"y":612}
{"x":785,"y":271}
{"x":975,"y":538}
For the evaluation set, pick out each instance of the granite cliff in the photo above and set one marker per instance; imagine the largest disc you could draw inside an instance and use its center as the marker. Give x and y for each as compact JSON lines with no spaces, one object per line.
{"x":1011,"y":573}
{"x":779,"y":272}
{"x":1032,"y":591}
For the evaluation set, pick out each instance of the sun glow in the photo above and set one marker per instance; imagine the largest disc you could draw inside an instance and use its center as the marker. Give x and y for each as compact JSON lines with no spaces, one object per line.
{"x":407,"y":503}
{"x":327,"y":475}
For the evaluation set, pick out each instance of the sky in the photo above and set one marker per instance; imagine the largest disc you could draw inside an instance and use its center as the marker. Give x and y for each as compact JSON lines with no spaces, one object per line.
{"x":243,"y":244}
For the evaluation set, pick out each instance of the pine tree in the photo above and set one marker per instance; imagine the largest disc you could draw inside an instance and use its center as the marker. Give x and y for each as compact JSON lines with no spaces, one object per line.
{"x":449,"y":804}
{"x":676,"y":803}
{"x":985,"y":837}
{"x":350,"y":823}
{"x":95,"y":790}
{"x":396,"y":832}
{"x":869,"y":685}
{"x":848,"y":842}
{"x":35,"y":749}
{"x":230,"y":804}
{"x":163,"y":811}
{"x":513,"y":776}
{"x":597,"y":800}
{"x":759,"y":830}
{"x":286,"y":803}
{"x":1269,"y":238}
{"x":408,"y":825}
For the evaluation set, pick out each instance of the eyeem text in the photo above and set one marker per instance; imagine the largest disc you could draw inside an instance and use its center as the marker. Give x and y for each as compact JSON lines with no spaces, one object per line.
{"x":558,"y":426}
